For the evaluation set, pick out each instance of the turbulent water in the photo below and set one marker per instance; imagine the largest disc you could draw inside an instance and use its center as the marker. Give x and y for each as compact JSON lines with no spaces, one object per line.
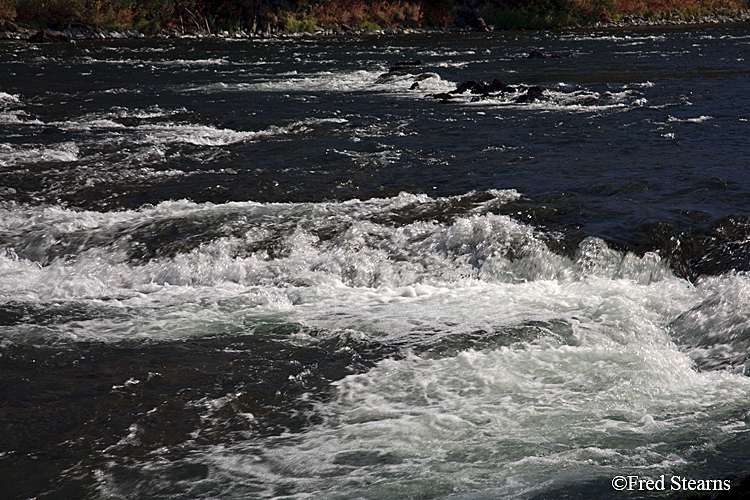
{"x":276,"y":269}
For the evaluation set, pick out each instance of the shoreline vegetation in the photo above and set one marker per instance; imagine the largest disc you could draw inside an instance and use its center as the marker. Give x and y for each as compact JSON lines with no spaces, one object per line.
{"x":65,"y":20}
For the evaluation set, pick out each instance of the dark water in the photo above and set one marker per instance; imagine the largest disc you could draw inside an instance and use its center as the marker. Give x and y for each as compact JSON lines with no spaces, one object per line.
{"x":274,"y":269}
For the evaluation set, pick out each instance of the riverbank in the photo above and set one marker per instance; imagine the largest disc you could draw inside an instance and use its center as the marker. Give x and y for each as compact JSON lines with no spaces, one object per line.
{"x":56,"y":20}
{"x":12,"y":31}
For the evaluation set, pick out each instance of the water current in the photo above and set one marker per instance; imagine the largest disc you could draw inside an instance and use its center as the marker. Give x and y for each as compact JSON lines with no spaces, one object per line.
{"x":298,"y":268}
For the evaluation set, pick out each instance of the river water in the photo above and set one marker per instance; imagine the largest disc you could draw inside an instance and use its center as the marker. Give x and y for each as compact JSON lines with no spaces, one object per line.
{"x":273,"y":269}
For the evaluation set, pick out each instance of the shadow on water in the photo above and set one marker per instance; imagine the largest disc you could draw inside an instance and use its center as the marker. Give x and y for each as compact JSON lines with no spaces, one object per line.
{"x":71,"y":410}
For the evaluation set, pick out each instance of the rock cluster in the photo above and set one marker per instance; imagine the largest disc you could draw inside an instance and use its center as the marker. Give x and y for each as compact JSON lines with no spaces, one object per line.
{"x":480,"y":89}
{"x":484,"y":90}
{"x":49,"y":36}
{"x":11,"y":31}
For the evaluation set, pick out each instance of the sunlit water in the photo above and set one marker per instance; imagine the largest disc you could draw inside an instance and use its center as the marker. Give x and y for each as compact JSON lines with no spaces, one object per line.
{"x":270,"y":269}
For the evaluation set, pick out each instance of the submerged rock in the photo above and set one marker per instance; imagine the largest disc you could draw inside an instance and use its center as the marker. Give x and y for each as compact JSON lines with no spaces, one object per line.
{"x":443,"y":96}
{"x":422,"y":77}
{"x":399,"y":69}
{"x":484,"y":88}
{"x":49,"y":36}
{"x":425,"y":76}
{"x":405,"y":66}
{"x":471,"y":85}
{"x":498,"y":85}
{"x":532,"y":94}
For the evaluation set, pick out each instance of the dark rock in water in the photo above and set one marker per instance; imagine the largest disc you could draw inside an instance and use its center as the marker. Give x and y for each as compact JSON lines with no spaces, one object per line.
{"x":385,"y":77}
{"x":497,"y":85}
{"x":398,"y":69}
{"x":471,"y":85}
{"x":405,"y":66}
{"x":421,"y":78}
{"x":532,"y":94}
{"x":49,"y":36}
{"x":6,"y":25}
{"x":483,"y":88}
{"x":444,"y":96}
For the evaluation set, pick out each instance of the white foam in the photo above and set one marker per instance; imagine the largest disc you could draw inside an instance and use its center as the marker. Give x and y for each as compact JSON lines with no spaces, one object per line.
{"x":481,"y":271}
{"x":156,"y":62}
{"x":492,"y":423}
{"x":327,"y":81}
{"x":379,"y":158}
{"x":144,"y":114}
{"x":531,"y":363}
{"x":16,"y":117}
{"x":199,"y":135}
{"x":699,"y":119}
{"x":11,"y":155}
{"x":376,"y":80}
{"x":10,"y":115}
{"x":422,"y":280}
{"x":716,"y":330}
{"x":220,"y":61}
{"x":90,"y":123}
{"x":164,"y":133}
{"x":645,"y":84}
{"x":626,"y":39}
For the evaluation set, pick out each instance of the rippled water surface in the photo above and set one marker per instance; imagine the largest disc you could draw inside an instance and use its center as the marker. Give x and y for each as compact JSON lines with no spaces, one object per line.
{"x":297,"y":269}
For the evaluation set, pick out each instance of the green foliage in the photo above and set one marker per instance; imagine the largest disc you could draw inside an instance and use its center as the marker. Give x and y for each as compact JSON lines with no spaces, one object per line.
{"x":148,"y":26}
{"x":370,"y":26}
{"x":603,"y":10}
{"x":304,"y":25}
{"x":7,"y":9}
{"x":536,"y":15}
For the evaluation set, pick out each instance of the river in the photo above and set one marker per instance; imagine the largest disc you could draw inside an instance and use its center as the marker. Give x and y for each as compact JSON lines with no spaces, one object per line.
{"x":295,"y":268}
